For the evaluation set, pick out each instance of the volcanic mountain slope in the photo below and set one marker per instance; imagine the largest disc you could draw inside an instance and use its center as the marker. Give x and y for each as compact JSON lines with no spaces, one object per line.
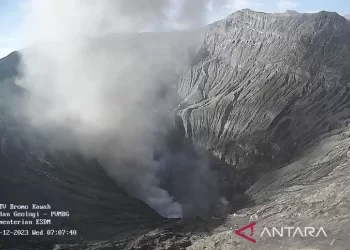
{"x":33,"y":171}
{"x":266,"y":87}
{"x":268,"y":95}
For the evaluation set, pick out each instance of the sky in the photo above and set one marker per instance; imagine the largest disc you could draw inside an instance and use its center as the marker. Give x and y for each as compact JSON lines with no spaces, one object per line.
{"x":12,"y":14}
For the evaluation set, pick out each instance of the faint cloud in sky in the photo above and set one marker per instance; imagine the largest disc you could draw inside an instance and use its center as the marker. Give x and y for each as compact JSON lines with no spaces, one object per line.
{"x":209,"y":6}
{"x":235,"y":5}
{"x":284,"y":5}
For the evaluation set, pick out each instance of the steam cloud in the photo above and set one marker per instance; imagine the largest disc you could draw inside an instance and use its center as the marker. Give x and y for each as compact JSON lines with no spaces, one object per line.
{"x":107,"y":95}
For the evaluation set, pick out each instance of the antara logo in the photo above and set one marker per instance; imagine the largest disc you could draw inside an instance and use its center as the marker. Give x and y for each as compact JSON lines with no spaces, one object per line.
{"x":250,"y":226}
{"x":280,"y":232}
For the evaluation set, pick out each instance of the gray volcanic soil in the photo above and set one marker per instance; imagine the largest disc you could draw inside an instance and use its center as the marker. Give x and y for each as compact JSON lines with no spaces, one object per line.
{"x":33,"y":171}
{"x":268,"y":96}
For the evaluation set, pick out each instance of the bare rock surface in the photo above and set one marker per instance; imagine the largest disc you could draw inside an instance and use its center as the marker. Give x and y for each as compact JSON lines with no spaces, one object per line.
{"x":268,"y":95}
{"x":309,"y":192}
{"x":266,"y":87}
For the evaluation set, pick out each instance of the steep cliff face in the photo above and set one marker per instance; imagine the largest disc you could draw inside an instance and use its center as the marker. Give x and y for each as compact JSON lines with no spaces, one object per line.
{"x":268,"y":95}
{"x":265,"y":86}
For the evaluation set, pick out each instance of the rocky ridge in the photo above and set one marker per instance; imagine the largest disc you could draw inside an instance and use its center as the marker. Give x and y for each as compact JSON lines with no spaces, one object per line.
{"x":268,"y":96}
{"x":267,"y":87}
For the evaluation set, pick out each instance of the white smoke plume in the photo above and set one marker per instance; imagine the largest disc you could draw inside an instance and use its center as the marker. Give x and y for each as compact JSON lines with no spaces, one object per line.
{"x":97,"y":88}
